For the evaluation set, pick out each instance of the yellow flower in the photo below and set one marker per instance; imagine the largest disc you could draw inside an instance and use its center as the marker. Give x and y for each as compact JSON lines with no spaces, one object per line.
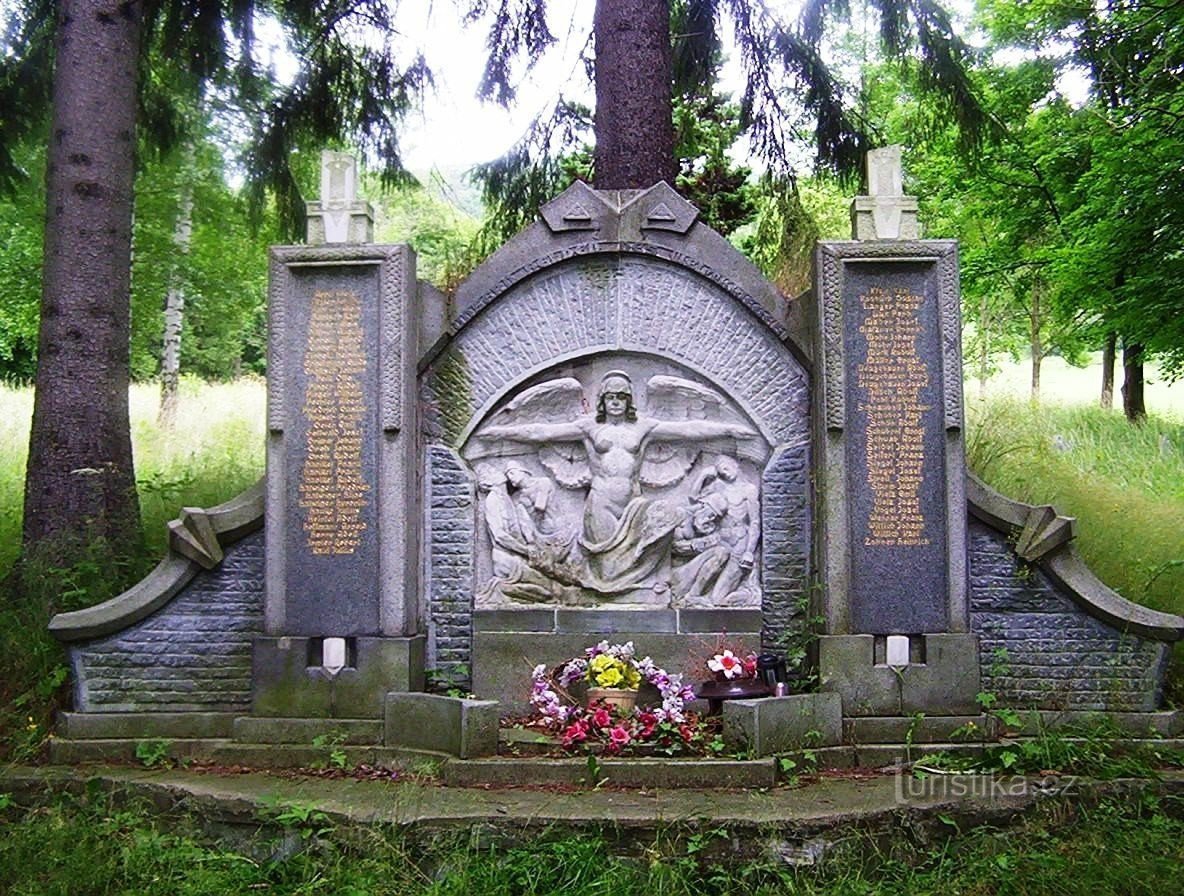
{"x":609,"y":678}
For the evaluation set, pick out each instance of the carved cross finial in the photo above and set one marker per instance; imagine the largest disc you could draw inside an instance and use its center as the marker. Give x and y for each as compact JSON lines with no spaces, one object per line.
{"x":885,"y":177}
{"x":885,"y":213}
{"x":339,"y":177}
{"x":339,"y":216}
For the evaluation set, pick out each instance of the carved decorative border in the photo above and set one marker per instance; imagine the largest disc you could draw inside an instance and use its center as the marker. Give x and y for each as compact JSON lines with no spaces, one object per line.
{"x":278,"y":287}
{"x":950,"y":309}
{"x":832,"y":367}
{"x":831,"y":260}
{"x":391,"y":322}
{"x":616,"y":248}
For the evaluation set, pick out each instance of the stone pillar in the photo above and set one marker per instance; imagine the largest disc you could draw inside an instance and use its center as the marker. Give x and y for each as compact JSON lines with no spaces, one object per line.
{"x":343,"y":517}
{"x":892,"y":487}
{"x":339,"y":216}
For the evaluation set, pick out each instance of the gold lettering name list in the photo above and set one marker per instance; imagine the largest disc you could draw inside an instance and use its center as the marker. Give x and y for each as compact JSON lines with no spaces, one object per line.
{"x":332,"y":487}
{"x":892,"y":376}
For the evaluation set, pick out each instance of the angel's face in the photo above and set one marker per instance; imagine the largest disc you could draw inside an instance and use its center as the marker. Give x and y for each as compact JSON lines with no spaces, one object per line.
{"x":616,"y":404}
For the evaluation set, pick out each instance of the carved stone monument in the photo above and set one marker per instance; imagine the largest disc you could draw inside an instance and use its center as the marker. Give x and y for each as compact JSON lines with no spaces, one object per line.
{"x":342,"y":471}
{"x":616,"y":428}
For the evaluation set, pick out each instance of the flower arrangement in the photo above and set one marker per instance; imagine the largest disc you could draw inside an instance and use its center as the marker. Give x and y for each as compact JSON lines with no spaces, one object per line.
{"x":668,"y":727}
{"x":727,"y":666}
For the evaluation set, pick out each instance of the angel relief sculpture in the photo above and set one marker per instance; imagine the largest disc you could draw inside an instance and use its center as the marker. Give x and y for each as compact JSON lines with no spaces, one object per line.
{"x":640,"y":537}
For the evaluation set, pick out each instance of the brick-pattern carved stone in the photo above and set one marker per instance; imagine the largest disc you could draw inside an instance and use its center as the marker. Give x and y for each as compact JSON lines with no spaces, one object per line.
{"x":586,"y":306}
{"x":785,"y":558}
{"x":391,"y":323}
{"x":1039,"y":649}
{"x":451,"y":541}
{"x":194,"y":654}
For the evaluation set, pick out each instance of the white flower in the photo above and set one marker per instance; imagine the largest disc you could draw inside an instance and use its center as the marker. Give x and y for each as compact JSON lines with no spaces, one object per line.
{"x":728,"y":663}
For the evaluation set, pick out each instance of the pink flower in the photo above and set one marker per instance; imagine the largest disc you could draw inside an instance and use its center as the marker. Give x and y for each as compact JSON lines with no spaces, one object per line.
{"x":619,"y":736}
{"x":727,"y":664}
{"x":602,"y":718}
{"x":575,"y":733}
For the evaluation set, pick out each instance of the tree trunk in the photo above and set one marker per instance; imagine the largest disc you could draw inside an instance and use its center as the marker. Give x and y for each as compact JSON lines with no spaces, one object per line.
{"x":1109,"y":350}
{"x":984,"y":352}
{"x":80,"y":485}
{"x":1133,"y":405}
{"x":174,"y":303}
{"x":634,"y":123}
{"x":1035,"y":344}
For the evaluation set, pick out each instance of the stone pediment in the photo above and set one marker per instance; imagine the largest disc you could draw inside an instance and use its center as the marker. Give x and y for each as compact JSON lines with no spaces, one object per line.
{"x":655,"y":222}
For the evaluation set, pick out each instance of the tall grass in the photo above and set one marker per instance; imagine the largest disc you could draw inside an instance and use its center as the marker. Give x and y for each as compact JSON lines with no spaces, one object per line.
{"x":1125,"y":485}
{"x":91,"y":846}
{"x":214,"y":451}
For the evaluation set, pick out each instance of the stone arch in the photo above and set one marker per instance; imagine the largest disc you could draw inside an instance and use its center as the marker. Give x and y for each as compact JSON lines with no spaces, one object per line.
{"x":613,"y":302}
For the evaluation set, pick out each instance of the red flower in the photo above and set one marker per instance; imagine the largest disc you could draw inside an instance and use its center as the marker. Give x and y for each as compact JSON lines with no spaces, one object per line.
{"x":575,"y":733}
{"x":618,"y":737}
{"x":648,"y":722}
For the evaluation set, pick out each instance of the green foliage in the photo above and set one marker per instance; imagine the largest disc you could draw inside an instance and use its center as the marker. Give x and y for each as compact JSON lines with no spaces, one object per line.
{"x":89,"y":845}
{"x":442,"y":234}
{"x":1125,"y":486}
{"x":154,"y":752}
{"x":331,"y":742}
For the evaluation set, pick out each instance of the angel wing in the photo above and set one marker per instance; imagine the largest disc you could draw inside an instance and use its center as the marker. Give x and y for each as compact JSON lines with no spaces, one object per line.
{"x":675,"y":398}
{"x":560,"y":399}
{"x":551,"y":401}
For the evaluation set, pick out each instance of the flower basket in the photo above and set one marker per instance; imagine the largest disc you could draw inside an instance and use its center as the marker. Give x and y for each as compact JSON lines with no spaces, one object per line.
{"x":621,"y":699}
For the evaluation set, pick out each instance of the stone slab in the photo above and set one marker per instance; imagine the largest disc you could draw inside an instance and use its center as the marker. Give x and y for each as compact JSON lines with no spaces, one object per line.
{"x":624,"y":772}
{"x":503,"y":661}
{"x":86,"y":725}
{"x":946,"y":683}
{"x":285,"y":685}
{"x":330,"y":331}
{"x":354,"y":732}
{"x":607,"y":623}
{"x":893,"y":353}
{"x":513,"y":620}
{"x":453,"y":725}
{"x":784,"y":724}
{"x":922,"y":729}
{"x":719,"y":621}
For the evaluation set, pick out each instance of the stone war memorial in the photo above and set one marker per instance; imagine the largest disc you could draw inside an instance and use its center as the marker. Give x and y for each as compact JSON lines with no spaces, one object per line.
{"x":615,"y":430}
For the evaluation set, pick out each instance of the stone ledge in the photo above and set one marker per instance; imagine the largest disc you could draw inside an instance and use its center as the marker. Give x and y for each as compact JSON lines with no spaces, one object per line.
{"x":92,"y":725}
{"x":351,"y":732}
{"x":228,"y":522}
{"x":227,"y":752}
{"x":1045,"y":538}
{"x":622,"y":772}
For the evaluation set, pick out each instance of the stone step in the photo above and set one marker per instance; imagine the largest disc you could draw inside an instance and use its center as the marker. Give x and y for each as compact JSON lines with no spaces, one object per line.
{"x":932,"y":729}
{"x":224,"y":751}
{"x":89,"y":725}
{"x":332,"y":732}
{"x":615,"y":771}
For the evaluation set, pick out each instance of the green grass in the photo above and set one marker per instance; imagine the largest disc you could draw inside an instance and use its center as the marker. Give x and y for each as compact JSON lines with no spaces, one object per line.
{"x":214,"y":452}
{"x":89,"y":845}
{"x":1125,"y":485}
